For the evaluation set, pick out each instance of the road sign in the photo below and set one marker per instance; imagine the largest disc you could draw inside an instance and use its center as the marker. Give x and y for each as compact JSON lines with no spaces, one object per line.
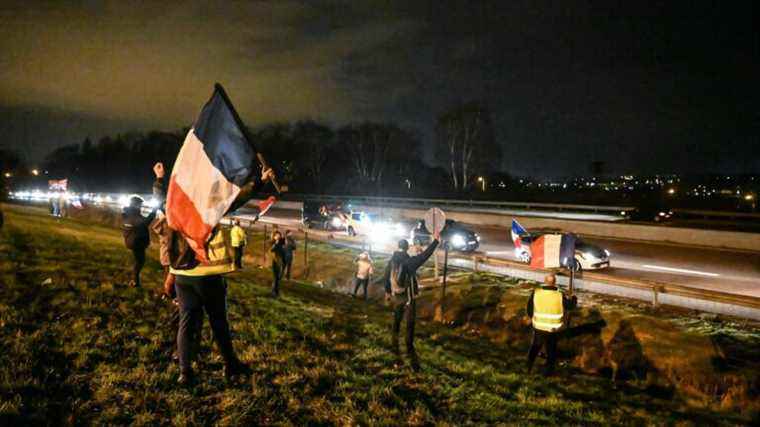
{"x":435,"y":220}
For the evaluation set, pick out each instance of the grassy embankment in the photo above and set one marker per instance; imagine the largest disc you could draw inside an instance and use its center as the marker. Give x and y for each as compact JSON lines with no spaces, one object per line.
{"x":80,"y":347}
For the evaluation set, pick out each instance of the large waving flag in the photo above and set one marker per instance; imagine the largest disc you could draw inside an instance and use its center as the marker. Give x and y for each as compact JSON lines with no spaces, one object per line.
{"x":552,"y":251}
{"x":216,"y":160}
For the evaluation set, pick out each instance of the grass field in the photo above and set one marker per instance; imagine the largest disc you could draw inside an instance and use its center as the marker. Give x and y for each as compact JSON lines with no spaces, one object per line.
{"x":79,"y":347}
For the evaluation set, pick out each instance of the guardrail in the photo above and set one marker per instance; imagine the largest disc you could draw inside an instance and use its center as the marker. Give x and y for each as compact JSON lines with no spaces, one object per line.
{"x":403,"y":202}
{"x":716,"y":214}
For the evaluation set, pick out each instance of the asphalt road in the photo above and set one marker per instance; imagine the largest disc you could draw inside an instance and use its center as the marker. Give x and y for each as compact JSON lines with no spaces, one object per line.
{"x":720,"y":270}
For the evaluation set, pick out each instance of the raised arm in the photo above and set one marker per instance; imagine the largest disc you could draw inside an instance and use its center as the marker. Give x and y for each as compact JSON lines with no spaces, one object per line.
{"x":413,"y":263}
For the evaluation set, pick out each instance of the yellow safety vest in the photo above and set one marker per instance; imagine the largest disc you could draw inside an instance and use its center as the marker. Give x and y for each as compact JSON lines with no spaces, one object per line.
{"x":219,"y":256}
{"x":238,"y":236}
{"x":547,"y":310}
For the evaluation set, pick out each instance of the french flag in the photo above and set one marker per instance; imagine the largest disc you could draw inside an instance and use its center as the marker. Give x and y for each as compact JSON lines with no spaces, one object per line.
{"x":215,"y":160}
{"x":517,"y":232}
{"x":552,"y":251}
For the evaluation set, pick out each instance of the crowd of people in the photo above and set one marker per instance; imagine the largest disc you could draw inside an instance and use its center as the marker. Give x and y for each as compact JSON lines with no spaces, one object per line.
{"x":196,"y":287}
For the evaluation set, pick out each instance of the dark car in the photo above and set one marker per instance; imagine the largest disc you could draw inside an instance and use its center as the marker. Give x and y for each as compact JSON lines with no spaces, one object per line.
{"x":460,"y":238}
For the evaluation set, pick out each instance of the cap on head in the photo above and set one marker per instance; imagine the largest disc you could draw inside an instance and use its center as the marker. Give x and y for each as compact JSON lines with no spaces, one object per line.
{"x":403,"y":245}
{"x":136,"y":201}
{"x":550,"y":279}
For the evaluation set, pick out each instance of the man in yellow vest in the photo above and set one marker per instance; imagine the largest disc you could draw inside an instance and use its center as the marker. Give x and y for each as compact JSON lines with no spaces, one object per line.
{"x":203,"y":288}
{"x":239,"y":240}
{"x":546,"y":308}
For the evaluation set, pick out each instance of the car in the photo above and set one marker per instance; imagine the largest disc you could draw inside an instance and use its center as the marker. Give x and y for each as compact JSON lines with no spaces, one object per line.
{"x":587,"y":255}
{"x":322,"y":216}
{"x":460,"y":238}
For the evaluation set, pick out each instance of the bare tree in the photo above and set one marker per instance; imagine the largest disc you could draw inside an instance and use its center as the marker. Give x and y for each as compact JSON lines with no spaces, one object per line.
{"x":465,"y":143}
{"x":375,"y":149}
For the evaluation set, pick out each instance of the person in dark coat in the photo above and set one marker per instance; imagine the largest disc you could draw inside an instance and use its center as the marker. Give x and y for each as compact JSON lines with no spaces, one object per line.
{"x":137,"y":235}
{"x":404,"y":293}
{"x":290,"y":248}
{"x":277,"y":258}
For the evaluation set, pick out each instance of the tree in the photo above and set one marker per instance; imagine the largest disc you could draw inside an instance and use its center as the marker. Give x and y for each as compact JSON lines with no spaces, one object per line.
{"x":312,"y":143}
{"x":376,"y":149}
{"x":465,"y":144}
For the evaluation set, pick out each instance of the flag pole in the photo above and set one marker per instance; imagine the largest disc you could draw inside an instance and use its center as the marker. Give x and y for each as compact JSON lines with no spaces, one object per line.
{"x":262,"y":161}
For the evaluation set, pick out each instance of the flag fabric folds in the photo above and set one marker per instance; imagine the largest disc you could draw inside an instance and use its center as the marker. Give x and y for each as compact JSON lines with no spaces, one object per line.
{"x":517,"y":232}
{"x":214,"y":162}
{"x":552,"y":251}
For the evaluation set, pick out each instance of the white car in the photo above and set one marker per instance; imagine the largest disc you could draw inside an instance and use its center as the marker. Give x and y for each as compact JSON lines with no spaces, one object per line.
{"x":587,"y":256}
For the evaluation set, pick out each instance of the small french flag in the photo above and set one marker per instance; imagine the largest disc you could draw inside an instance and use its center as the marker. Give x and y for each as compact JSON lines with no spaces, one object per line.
{"x":517,"y":233}
{"x":215,"y":160}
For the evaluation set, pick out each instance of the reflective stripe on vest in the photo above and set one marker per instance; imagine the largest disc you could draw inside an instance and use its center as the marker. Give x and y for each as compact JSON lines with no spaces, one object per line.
{"x":219,"y":258}
{"x":547,"y":310}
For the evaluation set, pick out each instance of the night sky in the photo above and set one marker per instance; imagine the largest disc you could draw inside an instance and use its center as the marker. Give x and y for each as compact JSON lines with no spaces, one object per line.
{"x":670,"y":86}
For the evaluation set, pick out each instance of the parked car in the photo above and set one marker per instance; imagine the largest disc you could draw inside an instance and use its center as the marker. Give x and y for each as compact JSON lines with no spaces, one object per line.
{"x":460,"y":238}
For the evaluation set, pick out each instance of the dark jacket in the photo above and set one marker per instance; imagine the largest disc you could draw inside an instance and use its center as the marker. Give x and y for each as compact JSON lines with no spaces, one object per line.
{"x":277,"y":252}
{"x":290,"y":247}
{"x":135,"y":228}
{"x":409,"y":265}
{"x":567,"y":303}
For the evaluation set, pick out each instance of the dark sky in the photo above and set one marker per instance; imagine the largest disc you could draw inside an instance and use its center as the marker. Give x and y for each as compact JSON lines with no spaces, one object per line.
{"x":660,"y":87}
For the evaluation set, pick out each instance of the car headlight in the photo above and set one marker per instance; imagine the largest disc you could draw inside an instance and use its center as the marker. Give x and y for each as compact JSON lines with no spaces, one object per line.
{"x":457,"y":240}
{"x":477,"y":237}
{"x":606,"y":252}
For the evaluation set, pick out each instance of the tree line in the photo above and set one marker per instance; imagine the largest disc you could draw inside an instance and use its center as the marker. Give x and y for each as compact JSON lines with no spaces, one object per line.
{"x":367,"y":158}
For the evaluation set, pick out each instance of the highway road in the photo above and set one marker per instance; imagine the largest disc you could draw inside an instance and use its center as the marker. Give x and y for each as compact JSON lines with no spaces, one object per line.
{"x":720,"y":270}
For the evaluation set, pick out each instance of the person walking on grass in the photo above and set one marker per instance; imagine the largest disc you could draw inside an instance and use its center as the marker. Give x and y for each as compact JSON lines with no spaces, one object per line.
{"x":547,"y":307}
{"x":136,"y":235}
{"x":202,"y":287}
{"x":239,"y":241}
{"x":277,"y":259}
{"x":289,"y":249}
{"x":364,"y":271}
{"x":401,"y":278}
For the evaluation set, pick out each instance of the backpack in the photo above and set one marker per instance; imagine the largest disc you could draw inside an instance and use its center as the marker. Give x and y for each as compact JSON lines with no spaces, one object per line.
{"x":181,"y":255}
{"x":398,"y":278}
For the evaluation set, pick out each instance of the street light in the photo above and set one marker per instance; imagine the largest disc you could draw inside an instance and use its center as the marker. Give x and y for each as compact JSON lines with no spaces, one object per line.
{"x":482,"y":181}
{"x":35,"y":172}
{"x":672,"y":191}
{"x":8,"y":175}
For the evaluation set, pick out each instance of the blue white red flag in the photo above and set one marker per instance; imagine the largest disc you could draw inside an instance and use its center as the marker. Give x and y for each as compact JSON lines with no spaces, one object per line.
{"x":552,"y":251}
{"x":517,"y":233}
{"x":216,"y":160}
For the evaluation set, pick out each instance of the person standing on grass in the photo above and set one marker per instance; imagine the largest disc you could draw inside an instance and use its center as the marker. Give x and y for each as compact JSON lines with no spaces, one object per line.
{"x":239,"y":240}
{"x":202,"y":287}
{"x":546,"y":308}
{"x":277,"y":258}
{"x":289,"y":247}
{"x":364,"y":271}
{"x":136,"y":235}
{"x":401,"y":278}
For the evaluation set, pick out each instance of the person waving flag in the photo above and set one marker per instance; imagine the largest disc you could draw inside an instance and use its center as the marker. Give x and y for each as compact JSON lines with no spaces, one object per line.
{"x":215,"y":162}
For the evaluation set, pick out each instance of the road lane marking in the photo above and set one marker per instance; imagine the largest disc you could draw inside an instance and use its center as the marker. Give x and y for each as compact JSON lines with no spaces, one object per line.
{"x":680,"y":270}
{"x":500,"y":252}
